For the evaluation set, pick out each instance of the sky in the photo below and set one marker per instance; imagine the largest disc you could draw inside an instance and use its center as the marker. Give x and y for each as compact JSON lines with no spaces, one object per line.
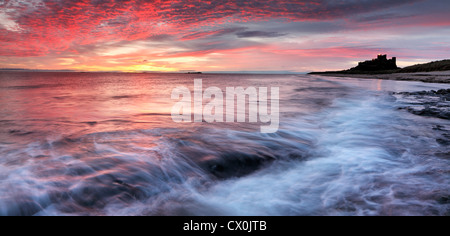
{"x":219,"y":35}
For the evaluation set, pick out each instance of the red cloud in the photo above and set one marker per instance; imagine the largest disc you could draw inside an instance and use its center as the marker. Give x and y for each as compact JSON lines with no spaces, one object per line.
{"x":133,"y":32}
{"x":59,"y":25}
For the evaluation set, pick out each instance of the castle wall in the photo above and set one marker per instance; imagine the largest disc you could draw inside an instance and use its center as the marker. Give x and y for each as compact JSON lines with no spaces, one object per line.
{"x":380,"y":63}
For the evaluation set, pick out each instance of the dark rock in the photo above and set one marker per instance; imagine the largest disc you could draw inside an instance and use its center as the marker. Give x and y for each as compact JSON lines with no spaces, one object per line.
{"x":439,"y":128}
{"x":235,"y":164}
{"x":443,"y":91}
{"x":444,"y":200}
{"x":435,"y":103}
{"x":429,"y":93}
{"x":443,"y":155}
{"x":443,"y":142}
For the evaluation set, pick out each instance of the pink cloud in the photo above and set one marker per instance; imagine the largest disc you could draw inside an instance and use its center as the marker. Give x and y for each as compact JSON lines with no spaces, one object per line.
{"x":78,"y":28}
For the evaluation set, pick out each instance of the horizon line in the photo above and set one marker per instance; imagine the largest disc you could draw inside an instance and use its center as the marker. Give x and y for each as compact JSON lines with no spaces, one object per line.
{"x":154,"y":72}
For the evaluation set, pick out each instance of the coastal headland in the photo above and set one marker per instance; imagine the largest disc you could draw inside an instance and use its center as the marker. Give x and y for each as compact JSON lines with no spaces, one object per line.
{"x":386,"y":69}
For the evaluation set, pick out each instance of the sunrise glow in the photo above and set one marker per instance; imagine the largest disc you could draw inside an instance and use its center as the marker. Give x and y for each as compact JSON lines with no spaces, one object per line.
{"x":192,"y":35}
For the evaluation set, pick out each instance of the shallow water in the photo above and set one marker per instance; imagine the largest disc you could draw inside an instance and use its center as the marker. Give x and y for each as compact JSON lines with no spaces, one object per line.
{"x":105,"y":144}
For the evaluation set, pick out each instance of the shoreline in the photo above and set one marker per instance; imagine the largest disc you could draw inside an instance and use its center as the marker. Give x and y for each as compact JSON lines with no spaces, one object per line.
{"x":442,"y":77}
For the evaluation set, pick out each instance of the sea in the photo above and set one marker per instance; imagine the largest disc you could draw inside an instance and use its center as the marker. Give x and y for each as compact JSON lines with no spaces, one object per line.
{"x":106,"y":144}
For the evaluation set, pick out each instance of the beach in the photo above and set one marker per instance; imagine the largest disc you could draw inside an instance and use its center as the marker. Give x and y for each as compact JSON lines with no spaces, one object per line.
{"x":427,"y":77}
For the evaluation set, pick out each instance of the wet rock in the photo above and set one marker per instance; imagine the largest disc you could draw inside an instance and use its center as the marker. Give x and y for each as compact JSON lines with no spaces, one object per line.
{"x":430,"y":112}
{"x":443,"y":155}
{"x":444,"y":200}
{"x":429,"y":103}
{"x":444,"y":92}
{"x":439,"y":128}
{"x":443,"y":142}
{"x":236,"y":164}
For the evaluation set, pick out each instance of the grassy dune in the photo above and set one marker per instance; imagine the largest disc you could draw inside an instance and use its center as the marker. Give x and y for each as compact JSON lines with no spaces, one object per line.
{"x":428,"y":67}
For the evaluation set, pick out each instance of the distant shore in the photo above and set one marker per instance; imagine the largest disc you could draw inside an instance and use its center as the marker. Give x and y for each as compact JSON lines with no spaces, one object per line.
{"x":427,"y":77}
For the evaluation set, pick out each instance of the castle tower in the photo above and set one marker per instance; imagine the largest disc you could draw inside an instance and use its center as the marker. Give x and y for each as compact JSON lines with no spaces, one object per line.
{"x":382,"y":57}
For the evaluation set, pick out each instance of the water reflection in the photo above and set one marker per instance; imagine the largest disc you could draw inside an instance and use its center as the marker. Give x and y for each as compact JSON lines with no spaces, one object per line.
{"x":105,"y":144}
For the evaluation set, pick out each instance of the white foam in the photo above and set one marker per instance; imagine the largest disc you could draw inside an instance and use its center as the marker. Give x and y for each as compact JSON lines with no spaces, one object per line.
{"x":355,"y":171}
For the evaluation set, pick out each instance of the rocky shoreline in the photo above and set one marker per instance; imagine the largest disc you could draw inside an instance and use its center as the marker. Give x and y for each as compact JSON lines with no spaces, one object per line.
{"x":429,"y":103}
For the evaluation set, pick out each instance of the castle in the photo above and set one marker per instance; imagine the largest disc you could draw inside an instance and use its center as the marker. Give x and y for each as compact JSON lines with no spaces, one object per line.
{"x":378,"y":64}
